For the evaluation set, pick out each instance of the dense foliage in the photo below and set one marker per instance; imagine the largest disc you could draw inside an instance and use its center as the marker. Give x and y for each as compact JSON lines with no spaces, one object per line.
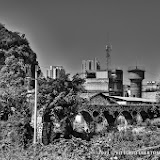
{"x":114,"y":145}
{"x":17,"y":43}
{"x":18,"y":62}
{"x":61,"y":91}
{"x":14,"y":44}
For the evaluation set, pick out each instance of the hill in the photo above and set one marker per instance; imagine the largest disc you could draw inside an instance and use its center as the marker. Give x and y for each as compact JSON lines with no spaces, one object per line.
{"x":15,"y":44}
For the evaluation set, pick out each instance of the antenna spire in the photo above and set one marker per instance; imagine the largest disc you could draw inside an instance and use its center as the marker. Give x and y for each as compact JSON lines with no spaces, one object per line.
{"x":107,"y":37}
{"x":108,"y":50}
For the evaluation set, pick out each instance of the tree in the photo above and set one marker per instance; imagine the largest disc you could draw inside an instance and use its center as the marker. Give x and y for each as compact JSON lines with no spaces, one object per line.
{"x":60,"y":91}
{"x":60,"y":97}
{"x":12,"y":77}
{"x":15,"y":44}
{"x":15,"y":55}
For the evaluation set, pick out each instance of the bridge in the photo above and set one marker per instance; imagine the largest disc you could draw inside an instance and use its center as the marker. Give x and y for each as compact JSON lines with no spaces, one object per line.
{"x":101,"y":105}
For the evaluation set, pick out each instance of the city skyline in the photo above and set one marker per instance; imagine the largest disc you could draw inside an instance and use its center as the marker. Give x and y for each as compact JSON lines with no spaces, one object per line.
{"x":66,"y":32}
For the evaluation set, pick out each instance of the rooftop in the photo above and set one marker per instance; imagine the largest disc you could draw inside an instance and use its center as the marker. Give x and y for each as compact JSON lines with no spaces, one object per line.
{"x":136,"y":68}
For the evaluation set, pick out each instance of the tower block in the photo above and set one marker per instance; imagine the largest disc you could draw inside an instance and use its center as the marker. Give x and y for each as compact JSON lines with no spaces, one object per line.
{"x":136,"y":76}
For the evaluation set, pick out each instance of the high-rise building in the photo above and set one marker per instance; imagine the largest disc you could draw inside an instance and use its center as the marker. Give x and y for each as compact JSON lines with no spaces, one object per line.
{"x":90,"y":65}
{"x":55,"y":72}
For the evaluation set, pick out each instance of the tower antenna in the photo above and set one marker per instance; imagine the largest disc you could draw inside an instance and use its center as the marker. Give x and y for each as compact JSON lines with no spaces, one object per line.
{"x":108,"y":56}
{"x":107,"y":37}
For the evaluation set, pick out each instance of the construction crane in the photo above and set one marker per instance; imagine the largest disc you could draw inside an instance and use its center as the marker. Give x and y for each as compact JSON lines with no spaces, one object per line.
{"x":108,"y":56}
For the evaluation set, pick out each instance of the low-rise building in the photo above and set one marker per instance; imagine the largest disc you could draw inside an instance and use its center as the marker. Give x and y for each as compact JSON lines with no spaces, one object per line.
{"x":149,"y":90}
{"x":116,"y":82}
{"x":97,"y":81}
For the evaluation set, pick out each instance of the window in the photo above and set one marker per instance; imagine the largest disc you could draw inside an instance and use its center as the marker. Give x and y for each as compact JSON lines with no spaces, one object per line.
{"x":90,"y":65}
{"x":119,"y":86}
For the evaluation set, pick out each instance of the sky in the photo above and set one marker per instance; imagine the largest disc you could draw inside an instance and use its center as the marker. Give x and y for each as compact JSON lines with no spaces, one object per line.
{"x":65,"y":32}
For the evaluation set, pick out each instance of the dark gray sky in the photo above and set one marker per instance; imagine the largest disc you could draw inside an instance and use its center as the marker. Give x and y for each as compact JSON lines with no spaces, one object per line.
{"x":64,"y":32}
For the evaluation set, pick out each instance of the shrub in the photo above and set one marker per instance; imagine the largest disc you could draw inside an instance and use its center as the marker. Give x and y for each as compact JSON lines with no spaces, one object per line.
{"x":155,"y":122}
{"x":148,"y":122}
{"x":106,"y":147}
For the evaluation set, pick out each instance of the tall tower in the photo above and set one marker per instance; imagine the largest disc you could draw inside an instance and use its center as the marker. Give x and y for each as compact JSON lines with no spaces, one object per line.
{"x":108,"y":56}
{"x":136,"y":76}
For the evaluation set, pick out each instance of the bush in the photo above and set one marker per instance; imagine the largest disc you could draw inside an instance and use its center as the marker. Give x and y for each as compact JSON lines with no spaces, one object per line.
{"x":105,"y":147}
{"x":148,"y":122}
{"x":155,"y":122}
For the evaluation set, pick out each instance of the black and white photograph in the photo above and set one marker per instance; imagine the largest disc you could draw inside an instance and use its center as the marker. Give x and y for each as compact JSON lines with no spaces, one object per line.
{"x":79,"y":80}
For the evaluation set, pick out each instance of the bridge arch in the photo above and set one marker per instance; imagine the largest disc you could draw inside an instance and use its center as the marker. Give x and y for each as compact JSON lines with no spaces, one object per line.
{"x":95,"y":114}
{"x":116,"y":113}
{"x":110,"y":118}
{"x":127,"y":116}
{"x":134,"y":113}
{"x":144,"y":115}
{"x":87,"y":116}
{"x":134,"y":117}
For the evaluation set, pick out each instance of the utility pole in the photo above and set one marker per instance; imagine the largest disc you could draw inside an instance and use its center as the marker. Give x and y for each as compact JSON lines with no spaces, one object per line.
{"x":35,"y":107}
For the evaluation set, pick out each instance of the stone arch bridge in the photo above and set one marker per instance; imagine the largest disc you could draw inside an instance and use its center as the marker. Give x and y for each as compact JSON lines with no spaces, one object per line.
{"x":101,"y":106}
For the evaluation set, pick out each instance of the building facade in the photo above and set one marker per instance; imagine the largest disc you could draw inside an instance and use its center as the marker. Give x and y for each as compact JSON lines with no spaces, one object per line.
{"x":136,"y":76}
{"x":150,"y":89}
{"x":90,"y":65}
{"x":115,"y":82}
{"x":97,"y":81}
{"x":55,"y":72}
{"x":110,"y":82}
